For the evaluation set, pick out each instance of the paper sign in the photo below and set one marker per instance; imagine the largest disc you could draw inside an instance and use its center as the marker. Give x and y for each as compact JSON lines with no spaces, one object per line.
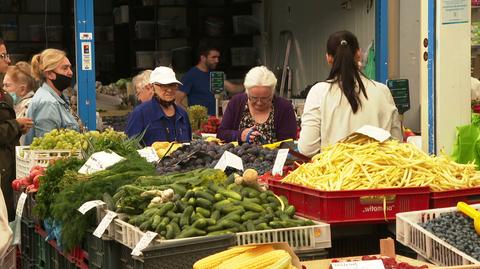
{"x":86,"y":55}
{"x":104,"y":224}
{"x":149,"y":154}
{"x":376,"y":133}
{"x":229,"y":159}
{"x":455,"y":11}
{"x":100,"y":161}
{"x":21,"y":204}
{"x":86,"y":36}
{"x":89,"y":205}
{"x":143,"y":243}
{"x":280,"y":162}
{"x":372,"y":264}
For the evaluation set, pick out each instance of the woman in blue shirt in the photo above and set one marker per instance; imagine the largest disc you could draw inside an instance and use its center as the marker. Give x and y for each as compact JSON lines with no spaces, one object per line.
{"x":49,"y":108}
{"x":160,"y":118}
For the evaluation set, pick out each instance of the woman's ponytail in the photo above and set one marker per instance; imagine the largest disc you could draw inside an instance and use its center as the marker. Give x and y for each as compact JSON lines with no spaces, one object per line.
{"x":343,"y":46}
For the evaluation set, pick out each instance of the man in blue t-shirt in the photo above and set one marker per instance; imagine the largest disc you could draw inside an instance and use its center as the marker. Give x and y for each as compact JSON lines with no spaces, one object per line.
{"x":196,"y":82}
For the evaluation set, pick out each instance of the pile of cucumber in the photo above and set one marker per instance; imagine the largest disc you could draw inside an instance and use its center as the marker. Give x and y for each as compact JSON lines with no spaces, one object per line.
{"x":218,"y":209}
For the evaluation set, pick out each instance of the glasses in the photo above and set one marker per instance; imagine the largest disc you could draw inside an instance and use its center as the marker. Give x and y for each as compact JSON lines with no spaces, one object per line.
{"x":165,"y":87}
{"x":5,"y":56}
{"x":264,"y":100}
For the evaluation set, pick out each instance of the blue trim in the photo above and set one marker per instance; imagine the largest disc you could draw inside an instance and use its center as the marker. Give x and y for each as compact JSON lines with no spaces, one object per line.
{"x":432,"y":140}
{"x":85,"y":78}
{"x":381,"y":40}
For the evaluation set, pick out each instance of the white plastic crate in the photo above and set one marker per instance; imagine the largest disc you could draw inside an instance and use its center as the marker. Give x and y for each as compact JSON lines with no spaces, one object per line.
{"x":26,"y":158}
{"x":300,"y":238}
{"x":427,"y":244}
{"x":9,"y":261}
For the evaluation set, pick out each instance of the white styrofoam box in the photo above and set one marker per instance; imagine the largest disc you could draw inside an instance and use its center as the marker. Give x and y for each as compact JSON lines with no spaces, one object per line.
{"x":120,"y":14}
{"x":144,"y":29}
{"x":427,"y":244}
{"x":243,"y":56}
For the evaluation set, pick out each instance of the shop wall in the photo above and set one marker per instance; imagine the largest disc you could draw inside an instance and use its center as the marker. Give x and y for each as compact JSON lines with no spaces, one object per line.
{"x":409,"y":58}
{"x":312,"y":21}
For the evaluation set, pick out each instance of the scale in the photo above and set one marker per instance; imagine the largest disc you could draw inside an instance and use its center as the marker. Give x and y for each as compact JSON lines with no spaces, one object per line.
{"x":217,"y":87}
{"x":401,"y":94}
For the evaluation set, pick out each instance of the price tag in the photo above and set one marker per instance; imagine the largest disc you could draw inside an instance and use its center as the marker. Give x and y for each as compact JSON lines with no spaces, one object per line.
{"x":104,"y":224}
{"x":100,"y":161}
{"x":143,"y":243}
{"x":372,"y":264}
{"x":89,"y":205}
{"x":149,"y":154}
{"x":21,"y":205}
{"x":229,"y":159}
{"x":280,"y":162}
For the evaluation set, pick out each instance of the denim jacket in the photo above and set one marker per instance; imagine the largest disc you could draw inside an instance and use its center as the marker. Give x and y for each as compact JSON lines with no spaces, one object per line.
{"x":49,"y":111}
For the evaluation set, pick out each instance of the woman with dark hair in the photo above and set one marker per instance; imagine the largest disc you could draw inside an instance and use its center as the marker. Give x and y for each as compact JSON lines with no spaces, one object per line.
{"x":346,"y":101}
{"x":10,"y":131}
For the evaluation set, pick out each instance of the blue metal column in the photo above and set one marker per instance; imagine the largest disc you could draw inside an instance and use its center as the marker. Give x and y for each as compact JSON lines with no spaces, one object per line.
{"x":381,"y":40}
{"x":85,"y":58}
{"x":432,"y":132}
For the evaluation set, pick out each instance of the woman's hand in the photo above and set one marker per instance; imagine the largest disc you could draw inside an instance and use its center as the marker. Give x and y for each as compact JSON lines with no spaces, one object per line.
{"x":252,"y":136}
{"x":25,"y":124}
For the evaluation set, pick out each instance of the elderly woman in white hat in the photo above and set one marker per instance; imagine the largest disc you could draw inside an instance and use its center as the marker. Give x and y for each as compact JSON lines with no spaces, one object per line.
{"x":160,"y":118}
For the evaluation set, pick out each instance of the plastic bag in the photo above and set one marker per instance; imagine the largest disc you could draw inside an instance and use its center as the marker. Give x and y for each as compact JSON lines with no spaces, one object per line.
{"x":467,"y":145}
{"x":369,"y":70}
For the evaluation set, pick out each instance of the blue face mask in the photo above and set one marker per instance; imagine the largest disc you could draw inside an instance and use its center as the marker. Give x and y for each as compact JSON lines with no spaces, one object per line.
{"x":14,"y":97}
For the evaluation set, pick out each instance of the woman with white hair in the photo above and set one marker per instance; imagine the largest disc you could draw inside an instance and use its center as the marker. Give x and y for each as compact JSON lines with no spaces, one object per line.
{"x":258,"y":115}
{"x":143,"y":88}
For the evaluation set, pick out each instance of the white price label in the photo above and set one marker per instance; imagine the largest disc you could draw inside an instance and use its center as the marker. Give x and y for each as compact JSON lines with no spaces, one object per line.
{"x":100,"y":161}
{"x":89,"y":205}
{"x":21,"y":205}
{"x":372,"y":264}
{"x":143,"y":243}
{"x":280,"y":162}
{"x":104,"y":224}
{"x":229,"y":159}
{"x":149,"y":154}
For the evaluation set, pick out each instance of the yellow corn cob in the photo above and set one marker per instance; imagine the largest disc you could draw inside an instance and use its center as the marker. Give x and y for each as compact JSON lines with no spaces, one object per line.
{"x":262,"y":261}
{"x":249,"y":254}
{"x":214,"y":260}
{"x":283,"y":263}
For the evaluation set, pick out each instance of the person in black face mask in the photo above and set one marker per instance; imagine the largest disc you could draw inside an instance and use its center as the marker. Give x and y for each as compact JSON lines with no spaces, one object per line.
{"x":49,"y":109}
{"x":160,"y":118}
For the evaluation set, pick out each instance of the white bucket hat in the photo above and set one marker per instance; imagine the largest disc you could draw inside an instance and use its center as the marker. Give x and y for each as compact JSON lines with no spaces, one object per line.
{"x":163,"y":75}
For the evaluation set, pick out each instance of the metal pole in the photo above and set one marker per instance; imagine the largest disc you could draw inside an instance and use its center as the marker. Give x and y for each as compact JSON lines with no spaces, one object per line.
{"x":85,"y":62}
{"x":381,"y":40}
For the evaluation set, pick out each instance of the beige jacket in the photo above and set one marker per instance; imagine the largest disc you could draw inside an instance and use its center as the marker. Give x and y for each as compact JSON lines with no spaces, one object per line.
{"x":21,"y":110}
{"x":328,"y":116}
{"x":6,"y":235}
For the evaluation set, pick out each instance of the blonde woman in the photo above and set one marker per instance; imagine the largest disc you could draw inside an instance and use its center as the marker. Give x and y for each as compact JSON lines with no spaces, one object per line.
{"x":143,"y":88}
{"x":19,"y":83}
{"x":49,"y":109}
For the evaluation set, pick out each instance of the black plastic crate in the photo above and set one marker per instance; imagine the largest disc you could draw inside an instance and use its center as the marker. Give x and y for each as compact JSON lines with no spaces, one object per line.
{"x":126,"y":259}
{"x":28,"y":207}
{"x":27,"y":263}
{"x":55,"y":259}
{"x":41,"y":250}
{"x":28,"y":245}
{"x":315,"y":254}
{"x":183,"y":253}
{"x":102,"y":253}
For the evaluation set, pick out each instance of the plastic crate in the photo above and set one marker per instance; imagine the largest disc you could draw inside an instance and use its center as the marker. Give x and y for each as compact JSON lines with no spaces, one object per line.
{"x":352,"y":206}
{"x":102,"y":253}
{"x":9,"y":261}
{"x":183,"y":254}
{"x":427,"y":244}
{"x":41,"y":251}
{"x":26,"y":159}
{"x":28,"y":207}
{"x":300,"y":238}
{"x":126,"y":259}
{"x":77,"y":258}
{"x":442,"y":199}
{"x":28,"y":246}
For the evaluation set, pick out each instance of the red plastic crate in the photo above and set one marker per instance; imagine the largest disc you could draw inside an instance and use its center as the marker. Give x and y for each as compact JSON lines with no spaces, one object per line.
{"x":441,"y":199}
{"x":352,"y":206}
